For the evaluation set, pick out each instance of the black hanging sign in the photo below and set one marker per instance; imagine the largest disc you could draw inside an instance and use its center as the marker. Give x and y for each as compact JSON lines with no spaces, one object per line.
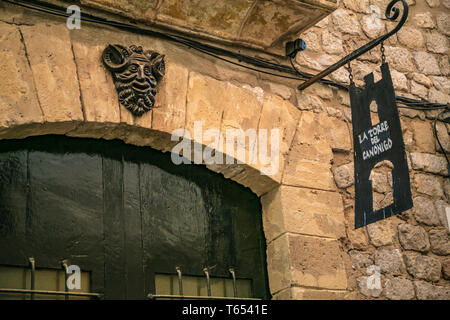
{"x":376,"y":143}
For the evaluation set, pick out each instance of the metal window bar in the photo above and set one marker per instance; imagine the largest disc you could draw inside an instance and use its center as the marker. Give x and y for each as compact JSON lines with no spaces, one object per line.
{"x":33,"y":272}
{"x":66,"y":276}
{"x":152,"y":296}
{"x":208,"y":284}
{"x":180,"y":296}
{"x":53,"y":293}
{"x":32,"y":291}
{"x":180,"y":280}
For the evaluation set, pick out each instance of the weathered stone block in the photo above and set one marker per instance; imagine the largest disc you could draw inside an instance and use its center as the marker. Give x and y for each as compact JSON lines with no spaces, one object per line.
{"x":285,"y":294}
{"x":54,"y":71}
{"x":425,"y":20}
{"x":317,"y":262}
{"x":309,"y":102}
{"x":309,"y":174}
{"x":357,"y":237}
{"x":380,"y":233}
{"x":336,"y":113}
{"x":313,"y":40}
{"x":422,"y":79}
{"x":390,"y":261}
{"x":446,"y":3}
{"x":426,"y":291}
{"x":365,"y":290}
{"x":443,"y":23}
{"x":423,"y":267}
{"x":170,"y":111}
{"x":18,"y":100}
{"x":339,"y":135}
{"x":380,"y":182}
{"x":446,"y":268}
{"x":273,"y":215}
{"x":311,"y":139}
{"x":429,"y":163}
{"x":400,"y":59}
{"x":299,"y":210}
{"x":239,"y":114}
{"x":343,"y":97}
{"x":243,"y":107}
{"x":440,"y":242}
{"x":399,"y":81}
{"x":444,"y":64}
{"x":321,"y":90}
{"x":252,"y":178}
{"x":425,"y":212}
{"x":278,"y":264}
{"x":345,"y":21}
{"x":441,"y":208}
{"x":411,"y":37}
{"x":36,"y":129}
{"x":281,"y":90}
{"x":370,"y":29}
{"x":280,"y":114}
{"x":441,"y":84}
{"x":296,"y":293}
{"x":444,"y":138}
{"x":419,"y":90}
{"x":357,"y":5}
{"x":438,"y":97}
{"x":331,"y":44}
{"x":314,"y":294}
{"x":360,"y":259}
{"x":314,"y":212}
{"x":341,"y":75}
{"x":99,"y":97}
{"x":426,"y":63}
{"x":436,"y":42}
{"x":433,"y":3}
{"x":306,"y":60}
{"x":428,"y":184}
{"x":399,"y":289}
{"x":413,"y":238}
{"x":344,"y":175}
{"x":309,"y":160}
{"x":423,"y":136}
{"x":206,"y":100}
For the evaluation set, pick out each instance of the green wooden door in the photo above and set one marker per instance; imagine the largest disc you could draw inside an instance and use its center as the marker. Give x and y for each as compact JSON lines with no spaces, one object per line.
{"x":126,"y":215}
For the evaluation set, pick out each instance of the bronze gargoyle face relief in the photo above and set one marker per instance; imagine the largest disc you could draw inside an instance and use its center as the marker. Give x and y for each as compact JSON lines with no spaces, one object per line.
{"x":136,"y":74}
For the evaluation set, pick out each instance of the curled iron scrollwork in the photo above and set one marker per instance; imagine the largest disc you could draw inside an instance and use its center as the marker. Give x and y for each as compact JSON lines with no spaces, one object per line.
{"x":392,"y":13}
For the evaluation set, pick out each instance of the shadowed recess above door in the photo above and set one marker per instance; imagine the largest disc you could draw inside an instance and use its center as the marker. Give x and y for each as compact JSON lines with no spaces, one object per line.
{"x":257,"y":24}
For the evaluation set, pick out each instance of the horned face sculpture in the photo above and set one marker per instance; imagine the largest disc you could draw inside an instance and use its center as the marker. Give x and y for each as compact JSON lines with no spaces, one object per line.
{"x":136,"y":74}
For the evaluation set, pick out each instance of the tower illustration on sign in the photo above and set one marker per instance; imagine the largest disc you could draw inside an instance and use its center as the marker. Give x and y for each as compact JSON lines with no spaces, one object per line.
{"x":376,"y":143}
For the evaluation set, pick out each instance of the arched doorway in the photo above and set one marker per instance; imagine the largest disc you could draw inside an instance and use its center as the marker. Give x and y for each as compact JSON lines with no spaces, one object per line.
{"x":127,"y":217}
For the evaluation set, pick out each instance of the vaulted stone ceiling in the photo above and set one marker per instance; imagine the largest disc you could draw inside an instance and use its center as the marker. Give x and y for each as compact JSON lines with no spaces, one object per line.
{"x":258,"y":24}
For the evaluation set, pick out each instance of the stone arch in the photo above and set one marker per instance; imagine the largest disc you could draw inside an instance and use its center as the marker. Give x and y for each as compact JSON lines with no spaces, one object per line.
{"x":249,"y":175}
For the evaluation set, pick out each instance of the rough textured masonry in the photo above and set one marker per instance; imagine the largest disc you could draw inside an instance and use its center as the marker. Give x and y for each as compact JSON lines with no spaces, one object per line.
{"x":313,"y":251}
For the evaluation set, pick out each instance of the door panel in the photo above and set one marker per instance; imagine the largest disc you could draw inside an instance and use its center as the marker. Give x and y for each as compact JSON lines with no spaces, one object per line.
{"x":124,"y":214}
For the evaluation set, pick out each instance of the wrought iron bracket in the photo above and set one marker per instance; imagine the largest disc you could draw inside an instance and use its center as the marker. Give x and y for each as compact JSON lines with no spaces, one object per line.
{"x":392,"y":13}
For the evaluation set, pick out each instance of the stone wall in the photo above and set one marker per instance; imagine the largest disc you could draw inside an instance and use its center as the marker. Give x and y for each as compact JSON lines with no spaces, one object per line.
{"x":411,"y":249}
{"x":55,"y":83}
